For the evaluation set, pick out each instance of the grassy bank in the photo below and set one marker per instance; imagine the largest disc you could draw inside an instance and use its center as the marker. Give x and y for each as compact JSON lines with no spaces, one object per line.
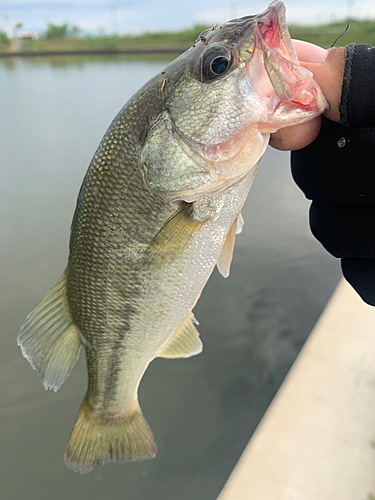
{"x":180,"y":40}
{"x":359,"y":32}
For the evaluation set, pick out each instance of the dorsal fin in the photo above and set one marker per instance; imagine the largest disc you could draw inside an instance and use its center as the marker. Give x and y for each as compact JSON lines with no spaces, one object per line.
{"x":49,"y":339}
{"x":185,"y":343}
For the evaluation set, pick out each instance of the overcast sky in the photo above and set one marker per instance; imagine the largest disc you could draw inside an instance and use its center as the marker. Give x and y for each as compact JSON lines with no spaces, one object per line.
{"x":127,"y":16}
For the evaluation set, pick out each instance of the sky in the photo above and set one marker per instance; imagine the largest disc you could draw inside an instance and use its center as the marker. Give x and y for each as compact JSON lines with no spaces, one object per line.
{"x":131,"y":17}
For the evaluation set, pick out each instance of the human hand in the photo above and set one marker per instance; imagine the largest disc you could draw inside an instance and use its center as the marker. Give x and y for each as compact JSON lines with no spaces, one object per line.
{"x":327,"y":67}
{"x":334,"y":163}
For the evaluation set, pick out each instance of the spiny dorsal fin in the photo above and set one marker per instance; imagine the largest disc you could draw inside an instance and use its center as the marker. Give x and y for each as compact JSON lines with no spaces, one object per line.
{"x":49,"y":339}
{"x":185,"y":343}
{"x":225,"y":258}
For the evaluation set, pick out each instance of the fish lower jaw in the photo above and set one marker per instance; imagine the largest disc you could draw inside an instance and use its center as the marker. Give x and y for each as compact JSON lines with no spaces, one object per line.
{"x":229,"y":150}
{"x":244,"y":161}
{"x":294,"y":112}
{"x":219,"y":187}
{"x":228,"y":163}
{"x":229,"y":173}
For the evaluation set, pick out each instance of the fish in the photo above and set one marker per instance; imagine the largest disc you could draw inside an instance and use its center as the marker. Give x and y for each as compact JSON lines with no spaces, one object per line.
{"x":159,"y":208}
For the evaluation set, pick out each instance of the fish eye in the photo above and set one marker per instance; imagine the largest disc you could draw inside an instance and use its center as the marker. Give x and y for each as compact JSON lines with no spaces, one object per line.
{"x":219,"y":65}
{"x":215,"y":62}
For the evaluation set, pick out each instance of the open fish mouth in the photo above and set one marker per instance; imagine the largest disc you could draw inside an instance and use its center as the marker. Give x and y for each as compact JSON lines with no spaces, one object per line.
{"x":267,"y":58}
{"x":274,"y":66}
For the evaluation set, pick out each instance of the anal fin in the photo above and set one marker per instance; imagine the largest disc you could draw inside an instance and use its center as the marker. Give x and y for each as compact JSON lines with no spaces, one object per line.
{"x":185,"y":343}
{"x":49,"y":339}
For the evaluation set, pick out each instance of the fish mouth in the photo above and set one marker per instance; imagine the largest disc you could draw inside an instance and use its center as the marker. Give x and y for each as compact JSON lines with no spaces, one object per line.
{"x":272,"y":33}
{"x":273,"y":67}
{"x":268,"y":59}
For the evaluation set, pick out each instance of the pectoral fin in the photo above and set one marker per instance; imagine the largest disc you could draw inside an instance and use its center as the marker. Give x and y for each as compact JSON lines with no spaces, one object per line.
{"x":240,"y":224}
{"x":225,"y":258}
{"x":172,"y":238}
{"x":185,"y":343}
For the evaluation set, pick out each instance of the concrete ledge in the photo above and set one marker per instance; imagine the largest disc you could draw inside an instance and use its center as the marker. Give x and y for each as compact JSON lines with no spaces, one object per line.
{"x":317,"y":439}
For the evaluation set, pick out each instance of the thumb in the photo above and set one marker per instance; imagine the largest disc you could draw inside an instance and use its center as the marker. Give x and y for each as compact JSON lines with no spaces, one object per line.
{"x":328,"y":75}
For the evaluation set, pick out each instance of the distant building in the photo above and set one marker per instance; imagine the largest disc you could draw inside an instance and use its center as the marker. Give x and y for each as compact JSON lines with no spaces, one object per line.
{"x":27,"y":35}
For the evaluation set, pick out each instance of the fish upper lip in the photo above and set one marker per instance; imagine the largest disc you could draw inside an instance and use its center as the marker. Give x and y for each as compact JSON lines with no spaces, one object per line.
{"x":265,"y":28}
{"x":271,"y":32}
{"x":273,"y":46}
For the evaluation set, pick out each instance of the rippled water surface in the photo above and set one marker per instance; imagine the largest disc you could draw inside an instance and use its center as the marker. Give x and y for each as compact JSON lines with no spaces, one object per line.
{"x":202,"y":410}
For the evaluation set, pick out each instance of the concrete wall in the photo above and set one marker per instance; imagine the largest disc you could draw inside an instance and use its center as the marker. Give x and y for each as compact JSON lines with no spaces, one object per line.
{"x":317,"y":439}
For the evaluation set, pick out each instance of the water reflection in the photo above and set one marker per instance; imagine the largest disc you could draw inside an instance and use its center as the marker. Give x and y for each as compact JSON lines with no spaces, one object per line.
{"x":202,"y":410}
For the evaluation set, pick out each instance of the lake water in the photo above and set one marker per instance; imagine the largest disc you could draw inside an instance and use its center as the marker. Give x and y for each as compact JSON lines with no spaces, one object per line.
{"x":202,"y":410}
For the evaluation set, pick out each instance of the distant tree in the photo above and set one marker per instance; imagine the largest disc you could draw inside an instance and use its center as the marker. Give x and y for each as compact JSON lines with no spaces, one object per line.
{"x":75,"y":31}
{"x":17,"y":27}
{"x":57,"y":30}
{"x":4,"y":39}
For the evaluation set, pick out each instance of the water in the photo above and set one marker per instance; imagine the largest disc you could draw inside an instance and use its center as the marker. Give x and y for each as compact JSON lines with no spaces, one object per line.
{"x":202,"y":410}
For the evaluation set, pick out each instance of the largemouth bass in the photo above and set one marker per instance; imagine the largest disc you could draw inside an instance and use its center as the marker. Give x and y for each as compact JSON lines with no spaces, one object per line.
{"x":159,"y":207}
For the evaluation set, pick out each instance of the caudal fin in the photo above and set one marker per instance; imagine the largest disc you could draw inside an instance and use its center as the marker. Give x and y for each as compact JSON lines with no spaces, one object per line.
{"x":95,"y":440}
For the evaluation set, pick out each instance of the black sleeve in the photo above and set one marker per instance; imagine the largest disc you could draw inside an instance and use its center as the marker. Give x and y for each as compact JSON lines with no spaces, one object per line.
{"x":357,"y":107}
{"x":337,"y":172}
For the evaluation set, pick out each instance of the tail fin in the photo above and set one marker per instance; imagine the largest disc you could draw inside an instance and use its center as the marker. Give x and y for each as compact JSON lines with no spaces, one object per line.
{"x":49,"y":339}
{"x":95,"y":440}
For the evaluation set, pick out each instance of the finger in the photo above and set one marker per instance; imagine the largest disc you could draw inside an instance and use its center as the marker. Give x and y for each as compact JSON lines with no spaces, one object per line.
{"x":309,"y":52}
{"x":329,"y":76}
{"x":297,"y":137}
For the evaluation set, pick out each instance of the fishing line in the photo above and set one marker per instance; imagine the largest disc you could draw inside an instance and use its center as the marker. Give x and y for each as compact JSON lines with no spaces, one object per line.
{"x":343,"y":33}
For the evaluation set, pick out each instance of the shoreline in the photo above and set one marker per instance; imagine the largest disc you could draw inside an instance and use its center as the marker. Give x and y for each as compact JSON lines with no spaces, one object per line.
{"x":171,"y":50}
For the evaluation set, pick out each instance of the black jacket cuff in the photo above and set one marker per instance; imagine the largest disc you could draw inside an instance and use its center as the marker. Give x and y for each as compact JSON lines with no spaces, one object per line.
{"x":357,"y":107}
